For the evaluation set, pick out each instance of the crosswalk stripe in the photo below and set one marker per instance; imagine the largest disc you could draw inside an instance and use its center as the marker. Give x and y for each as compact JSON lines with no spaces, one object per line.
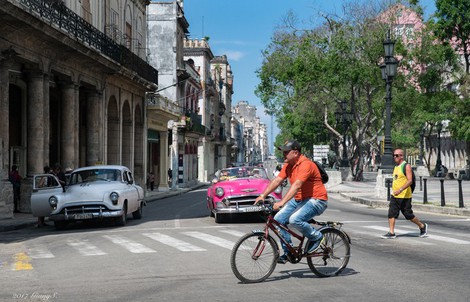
{"x":131,"y":246}
{"x":430,"y":236}
{"x":39,"y":252}
{"x":233,"y":232}
{"x":85,"y":248}
{"x":173,"y":242}
{"x":211,"y":239}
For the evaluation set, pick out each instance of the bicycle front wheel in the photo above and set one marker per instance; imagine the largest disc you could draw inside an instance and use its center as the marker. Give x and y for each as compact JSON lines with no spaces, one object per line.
{"x":254,"y":257}
{"x":333,"y":256}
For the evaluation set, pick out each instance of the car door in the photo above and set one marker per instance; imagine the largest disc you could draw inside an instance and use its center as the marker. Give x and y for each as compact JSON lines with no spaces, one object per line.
{"x":44,"y":186}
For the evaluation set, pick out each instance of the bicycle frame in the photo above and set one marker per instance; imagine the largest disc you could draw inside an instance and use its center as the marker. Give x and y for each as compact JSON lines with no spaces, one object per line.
{"x":273,"y":225}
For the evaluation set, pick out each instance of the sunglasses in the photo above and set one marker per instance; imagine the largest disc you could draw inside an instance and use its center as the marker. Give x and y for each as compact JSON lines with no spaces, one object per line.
{"x":396,"y":155}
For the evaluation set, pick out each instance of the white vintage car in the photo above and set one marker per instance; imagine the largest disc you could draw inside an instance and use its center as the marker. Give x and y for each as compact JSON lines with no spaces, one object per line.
{"x":95,"y":192}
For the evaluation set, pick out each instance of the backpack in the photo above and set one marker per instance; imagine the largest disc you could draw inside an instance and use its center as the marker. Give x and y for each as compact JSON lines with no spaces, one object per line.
{"x":413,"y":177}
{"x":323,"y":174}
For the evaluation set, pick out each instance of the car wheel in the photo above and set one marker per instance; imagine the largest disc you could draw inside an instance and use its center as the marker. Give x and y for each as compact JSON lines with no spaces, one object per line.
{"x":60,"y":225}
{"x":121,"y":221}
{"x":138,"y":213}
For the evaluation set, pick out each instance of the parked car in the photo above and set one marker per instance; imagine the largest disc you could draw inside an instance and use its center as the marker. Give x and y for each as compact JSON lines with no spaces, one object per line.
{"x":234,"y":190}
{"x":91,"y":193}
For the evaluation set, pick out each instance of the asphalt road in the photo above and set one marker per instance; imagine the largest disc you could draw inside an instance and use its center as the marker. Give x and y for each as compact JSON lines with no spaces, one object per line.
{"x":177,"y":253}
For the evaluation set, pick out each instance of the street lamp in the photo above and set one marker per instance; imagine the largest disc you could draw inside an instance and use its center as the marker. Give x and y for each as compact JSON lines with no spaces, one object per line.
{"x":438,"y":160}
{"x":389,"y":71}
{"x":421,"y":147}
{"x":345,"y":117}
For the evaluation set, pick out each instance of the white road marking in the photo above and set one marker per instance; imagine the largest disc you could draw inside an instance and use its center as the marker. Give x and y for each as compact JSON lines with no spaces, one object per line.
{"x":430,"y":236}
{"x":233,"y":232}
{"x":85,"y":248}
{"x":131,"y":246}
{"x":173,"y":242}
{"x":39,"y":252}
{"x":211,"y":239}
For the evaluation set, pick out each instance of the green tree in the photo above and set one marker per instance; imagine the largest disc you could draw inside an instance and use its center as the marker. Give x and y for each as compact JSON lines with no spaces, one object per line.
{"x":453,"y":27}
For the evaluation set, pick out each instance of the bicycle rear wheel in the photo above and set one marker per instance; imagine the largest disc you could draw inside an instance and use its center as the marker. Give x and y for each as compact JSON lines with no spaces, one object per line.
{"x":254,"y":257}
{"x":333,"y":256}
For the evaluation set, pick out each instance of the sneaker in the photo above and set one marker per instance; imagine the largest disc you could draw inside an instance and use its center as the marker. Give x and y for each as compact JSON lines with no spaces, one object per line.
{"x":389,"y":236}
{"x":424,"y":231}
{"x":314,"y":245}
{"x":282,"y":259}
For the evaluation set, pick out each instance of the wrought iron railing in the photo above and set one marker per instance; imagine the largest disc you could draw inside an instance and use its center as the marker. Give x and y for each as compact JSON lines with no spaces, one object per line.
{"x":57,"y":14}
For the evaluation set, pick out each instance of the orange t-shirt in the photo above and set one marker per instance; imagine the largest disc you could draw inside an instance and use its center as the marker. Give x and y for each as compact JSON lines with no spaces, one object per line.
{"x":307,"y":171}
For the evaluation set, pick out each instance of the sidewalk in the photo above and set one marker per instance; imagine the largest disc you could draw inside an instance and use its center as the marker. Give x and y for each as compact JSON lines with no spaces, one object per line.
{"x":364,"y":192}
{"x":25,"y":220}
{"x":361,"y":192}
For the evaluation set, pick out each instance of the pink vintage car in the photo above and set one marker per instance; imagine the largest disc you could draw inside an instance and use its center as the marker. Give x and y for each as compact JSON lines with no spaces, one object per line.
{"x":234,"y":191}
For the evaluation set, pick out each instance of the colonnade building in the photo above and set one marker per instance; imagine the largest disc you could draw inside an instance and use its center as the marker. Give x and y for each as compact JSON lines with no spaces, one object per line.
{"x":73,"y":85}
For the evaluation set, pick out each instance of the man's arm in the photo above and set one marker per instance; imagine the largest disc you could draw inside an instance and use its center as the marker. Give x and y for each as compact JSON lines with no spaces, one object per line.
{"x":271,"y":187}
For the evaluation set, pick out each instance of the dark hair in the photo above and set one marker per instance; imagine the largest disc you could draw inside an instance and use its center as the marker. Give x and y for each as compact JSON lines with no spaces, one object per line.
{"x":14,"y":167}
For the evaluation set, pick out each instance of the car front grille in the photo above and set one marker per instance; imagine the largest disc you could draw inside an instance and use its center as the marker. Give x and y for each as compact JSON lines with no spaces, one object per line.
{"x":84,"y":209}
{"x":246,"y":200}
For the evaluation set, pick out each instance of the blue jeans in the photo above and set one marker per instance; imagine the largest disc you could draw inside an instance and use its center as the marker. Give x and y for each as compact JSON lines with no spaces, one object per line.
{"x":298,"y":214}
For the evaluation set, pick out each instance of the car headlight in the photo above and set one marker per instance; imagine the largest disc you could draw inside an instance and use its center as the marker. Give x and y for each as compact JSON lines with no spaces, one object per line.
{"x":219,"y":192}
{"x":53,"y":201}
{"x":278,"y":190}
{"x":114,"y":197}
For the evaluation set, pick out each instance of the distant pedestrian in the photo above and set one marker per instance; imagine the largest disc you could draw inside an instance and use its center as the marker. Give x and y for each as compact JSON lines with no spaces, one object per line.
{"x":15,"y":178}
{"x":401,"y":196}
{"x":57,"y":171}
{"x":170,"y":175}
{"x":151,"y":181}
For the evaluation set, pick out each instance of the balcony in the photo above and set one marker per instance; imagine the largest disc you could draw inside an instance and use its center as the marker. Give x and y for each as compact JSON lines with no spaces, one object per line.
{"x":163,"y":105}
{"x":56,"y":14}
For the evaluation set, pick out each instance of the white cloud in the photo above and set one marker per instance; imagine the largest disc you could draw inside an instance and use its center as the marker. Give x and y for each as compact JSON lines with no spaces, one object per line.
{"x":233,"y":55}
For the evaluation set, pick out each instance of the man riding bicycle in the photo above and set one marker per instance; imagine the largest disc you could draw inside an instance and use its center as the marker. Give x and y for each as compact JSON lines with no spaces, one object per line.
{"x":305,"y":199}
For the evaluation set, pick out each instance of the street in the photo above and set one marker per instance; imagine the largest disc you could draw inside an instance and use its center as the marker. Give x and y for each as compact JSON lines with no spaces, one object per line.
{"x":177,"y":253}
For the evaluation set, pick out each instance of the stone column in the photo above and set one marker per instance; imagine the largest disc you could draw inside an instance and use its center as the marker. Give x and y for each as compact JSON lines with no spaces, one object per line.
{"x":46,"y":114}
{"x":163,"y":161}
{"x":35,"y":120}
{"x":4,"y":113}
{"x":93,"y":129}
{"x":6,"y":191}
{"x":68,"y":132}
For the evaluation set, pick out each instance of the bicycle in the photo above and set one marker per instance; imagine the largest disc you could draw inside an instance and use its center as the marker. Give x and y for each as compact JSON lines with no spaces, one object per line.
{"x":254,"y":256}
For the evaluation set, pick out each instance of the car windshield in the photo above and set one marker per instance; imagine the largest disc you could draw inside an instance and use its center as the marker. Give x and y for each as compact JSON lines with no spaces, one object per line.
{"x":95,"y":175}
{"x":242,"y":172}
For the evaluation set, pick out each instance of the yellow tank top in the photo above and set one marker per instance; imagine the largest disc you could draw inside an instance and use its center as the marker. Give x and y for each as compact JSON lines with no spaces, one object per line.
{"x":399,"y":180}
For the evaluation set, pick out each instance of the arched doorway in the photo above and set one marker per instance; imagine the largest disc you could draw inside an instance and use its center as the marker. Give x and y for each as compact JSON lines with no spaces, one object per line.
{"x":113,"y":155}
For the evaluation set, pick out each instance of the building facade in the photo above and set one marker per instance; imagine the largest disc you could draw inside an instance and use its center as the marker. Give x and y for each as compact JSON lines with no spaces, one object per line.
{"x":73,"y":84}
{"x":179,"y":131}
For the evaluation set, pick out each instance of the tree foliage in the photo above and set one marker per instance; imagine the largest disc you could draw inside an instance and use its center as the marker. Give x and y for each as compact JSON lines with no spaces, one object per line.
{"x":306,"y":73}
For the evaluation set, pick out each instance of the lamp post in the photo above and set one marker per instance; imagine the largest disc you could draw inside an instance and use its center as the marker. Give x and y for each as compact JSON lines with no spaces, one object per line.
{"x":421,"y":147}
{"x":344,"y":117}
{"x":438,"y":160}
{"x":389,"y":70}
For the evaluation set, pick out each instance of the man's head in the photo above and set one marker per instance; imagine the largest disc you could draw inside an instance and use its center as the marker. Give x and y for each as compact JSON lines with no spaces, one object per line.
{"x":291,"y":151}
{"x":398,"y":156}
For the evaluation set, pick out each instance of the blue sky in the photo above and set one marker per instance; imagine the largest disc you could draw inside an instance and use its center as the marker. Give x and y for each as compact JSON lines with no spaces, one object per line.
{"x":241,"y":29}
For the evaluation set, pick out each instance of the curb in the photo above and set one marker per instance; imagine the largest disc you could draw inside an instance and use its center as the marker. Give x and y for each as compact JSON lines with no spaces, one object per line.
{"x":449,"y":210}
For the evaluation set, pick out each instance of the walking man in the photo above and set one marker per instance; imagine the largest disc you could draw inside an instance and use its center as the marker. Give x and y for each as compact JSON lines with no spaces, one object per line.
{"x":401,"y":196}
{"x":305,"y":199}
{"x":15,"y":179}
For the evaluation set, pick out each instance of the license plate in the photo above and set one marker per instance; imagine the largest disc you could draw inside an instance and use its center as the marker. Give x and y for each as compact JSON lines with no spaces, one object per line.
{"x":83,"y":216}
{"x":252,"y":209}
